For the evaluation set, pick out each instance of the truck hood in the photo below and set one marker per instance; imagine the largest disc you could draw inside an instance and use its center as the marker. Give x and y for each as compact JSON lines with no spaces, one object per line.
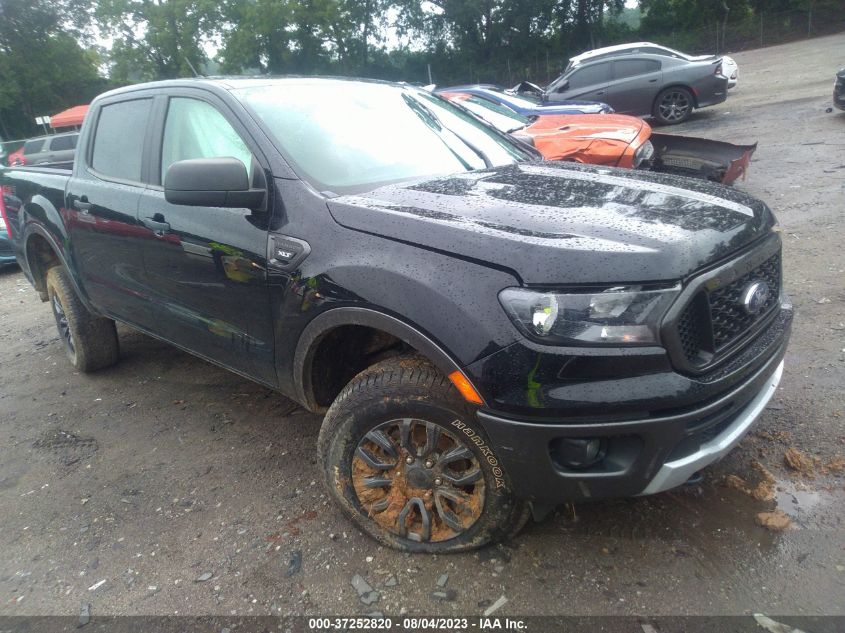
{"x":563,"y":223}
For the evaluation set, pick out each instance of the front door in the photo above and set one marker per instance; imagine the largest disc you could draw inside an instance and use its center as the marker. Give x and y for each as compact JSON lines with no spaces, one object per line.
{"x":585,"y":83}
{"x":205,"y":267}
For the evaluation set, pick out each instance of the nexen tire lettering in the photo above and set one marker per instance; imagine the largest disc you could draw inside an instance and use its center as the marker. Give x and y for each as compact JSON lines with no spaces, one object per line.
{"x":486,"y":451}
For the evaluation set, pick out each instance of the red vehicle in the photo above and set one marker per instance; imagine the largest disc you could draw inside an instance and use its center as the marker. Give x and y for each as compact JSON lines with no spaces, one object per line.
{"x":615,"y":140}
{"x":16,"y":157}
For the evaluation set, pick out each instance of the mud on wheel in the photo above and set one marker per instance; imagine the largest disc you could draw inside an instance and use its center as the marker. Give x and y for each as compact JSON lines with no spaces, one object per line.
{"x":90,"y":341}
{"x":398,"y":457}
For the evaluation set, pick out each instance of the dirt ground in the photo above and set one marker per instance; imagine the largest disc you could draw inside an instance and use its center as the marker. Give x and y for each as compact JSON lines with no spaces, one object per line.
{"x":167,"y":485}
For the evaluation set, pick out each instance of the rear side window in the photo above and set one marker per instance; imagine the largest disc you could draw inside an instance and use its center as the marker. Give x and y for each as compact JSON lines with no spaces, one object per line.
{"x":119,"y":139}
{"x":34,"y":146}
{"x":63,"y":143}
{"x":632,"y":67}
{"x":590,"y":75}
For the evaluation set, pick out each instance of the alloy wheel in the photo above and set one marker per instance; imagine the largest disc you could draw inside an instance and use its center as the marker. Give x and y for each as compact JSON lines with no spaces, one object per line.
{"x":62,"y":323}
{"x":674,"y":106}
{"x":418,"y":480}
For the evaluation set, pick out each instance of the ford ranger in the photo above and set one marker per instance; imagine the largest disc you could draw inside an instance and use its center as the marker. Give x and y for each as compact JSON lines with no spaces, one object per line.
{"x":488,"y":334}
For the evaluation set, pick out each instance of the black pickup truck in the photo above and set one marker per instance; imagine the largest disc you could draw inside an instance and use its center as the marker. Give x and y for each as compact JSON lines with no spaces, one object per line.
{"x":488,"y":334}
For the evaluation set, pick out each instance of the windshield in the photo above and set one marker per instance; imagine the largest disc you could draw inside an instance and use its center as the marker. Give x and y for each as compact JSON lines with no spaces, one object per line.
{"x":500,"y":116}
{"x":346,"y":136}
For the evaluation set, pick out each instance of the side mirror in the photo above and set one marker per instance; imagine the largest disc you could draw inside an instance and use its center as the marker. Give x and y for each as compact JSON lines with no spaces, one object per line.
{"x":211,"y":182}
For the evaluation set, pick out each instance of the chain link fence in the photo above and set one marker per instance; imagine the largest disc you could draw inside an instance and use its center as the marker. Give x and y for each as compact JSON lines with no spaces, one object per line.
{"x":757,"y":31}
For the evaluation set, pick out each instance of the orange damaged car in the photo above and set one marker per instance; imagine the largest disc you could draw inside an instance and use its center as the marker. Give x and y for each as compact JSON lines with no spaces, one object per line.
{"x":614,"y":140}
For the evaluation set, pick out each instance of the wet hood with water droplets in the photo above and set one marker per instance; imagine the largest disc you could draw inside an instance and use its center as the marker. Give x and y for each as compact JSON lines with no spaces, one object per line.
{"x":554,"y":223}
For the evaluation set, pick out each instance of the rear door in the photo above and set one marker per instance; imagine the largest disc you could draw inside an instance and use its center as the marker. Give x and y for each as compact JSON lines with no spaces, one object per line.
{"x":205,"y":267}
{"x":587,"y":83}
{"x":635,"y":84}
{"x":101,"y":207}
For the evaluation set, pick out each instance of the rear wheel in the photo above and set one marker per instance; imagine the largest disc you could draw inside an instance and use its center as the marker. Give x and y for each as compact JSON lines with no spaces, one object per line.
{"x":404,"y":458}
{"x":90,"y":341}
{"x":673,"y":105}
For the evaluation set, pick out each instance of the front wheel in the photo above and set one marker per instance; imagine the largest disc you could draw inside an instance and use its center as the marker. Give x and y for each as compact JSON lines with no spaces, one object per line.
{"x":405,"y":459}
{"x":673,"y":105}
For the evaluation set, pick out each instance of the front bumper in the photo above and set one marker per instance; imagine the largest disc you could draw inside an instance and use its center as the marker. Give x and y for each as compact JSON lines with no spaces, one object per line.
{"x":675,"y":473}
{"x":647,"y":450}
{"x":839,"y":95}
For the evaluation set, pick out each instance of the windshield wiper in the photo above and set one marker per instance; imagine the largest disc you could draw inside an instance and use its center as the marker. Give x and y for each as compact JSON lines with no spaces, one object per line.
{"x":430,"y":118}
{"x":517,"y":128}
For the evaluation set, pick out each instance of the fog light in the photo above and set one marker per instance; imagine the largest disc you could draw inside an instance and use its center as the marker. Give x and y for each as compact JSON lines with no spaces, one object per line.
{"x":579,"y":452}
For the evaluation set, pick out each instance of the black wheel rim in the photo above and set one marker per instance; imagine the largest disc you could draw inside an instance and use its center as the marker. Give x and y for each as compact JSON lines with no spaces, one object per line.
{"x":62,"y":323}
{"x":417,"y":480}
{"x":674,"y":106}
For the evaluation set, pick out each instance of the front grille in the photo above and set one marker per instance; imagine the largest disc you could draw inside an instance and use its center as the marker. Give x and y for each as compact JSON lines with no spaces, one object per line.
{"x":728,"y":319}
{"x":714,"y":319}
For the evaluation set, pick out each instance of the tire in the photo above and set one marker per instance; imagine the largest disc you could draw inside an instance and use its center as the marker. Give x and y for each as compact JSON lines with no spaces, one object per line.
{"x":399,"y":444}
{"x":673,"y":105}
{"x":90,"y":341}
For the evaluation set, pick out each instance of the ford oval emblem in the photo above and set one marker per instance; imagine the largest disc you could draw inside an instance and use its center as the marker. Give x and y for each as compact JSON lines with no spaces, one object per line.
{"x":755,"y":296}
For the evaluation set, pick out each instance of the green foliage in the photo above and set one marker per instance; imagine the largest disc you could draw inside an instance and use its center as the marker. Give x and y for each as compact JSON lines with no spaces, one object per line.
{"x":156,"y":40}
{"x":43,"y":69}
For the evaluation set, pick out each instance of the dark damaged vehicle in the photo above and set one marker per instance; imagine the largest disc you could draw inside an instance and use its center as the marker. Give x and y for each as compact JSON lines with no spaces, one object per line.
{"x":839,"y":90}
{"x":488,"y":334}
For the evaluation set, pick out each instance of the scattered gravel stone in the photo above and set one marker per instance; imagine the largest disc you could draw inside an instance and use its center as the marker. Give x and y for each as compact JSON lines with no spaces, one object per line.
{"x":448,"y":595}
{"x":97,"y":585}
{"x":391,"y":582}
{"x":204,"y":577}
{"x":294,"y":563}
{"x":441,"y":582}
{"x":366,"y":593}
{"x":502,"y":601}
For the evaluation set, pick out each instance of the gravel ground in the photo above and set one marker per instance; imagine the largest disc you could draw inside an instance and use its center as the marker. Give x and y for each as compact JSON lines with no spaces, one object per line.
{"x":167,"y":485}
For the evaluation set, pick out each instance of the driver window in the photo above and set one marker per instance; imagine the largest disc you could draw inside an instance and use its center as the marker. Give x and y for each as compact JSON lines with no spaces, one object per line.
{"x":590,"y":75}
{"x":195,"y":129}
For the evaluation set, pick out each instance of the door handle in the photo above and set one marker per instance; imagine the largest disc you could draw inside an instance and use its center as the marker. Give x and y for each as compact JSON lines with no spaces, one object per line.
{"x":156,"y":224}
{"x":82,"y":204}
{"x":652,"y":81}
{"x":600,"y":93}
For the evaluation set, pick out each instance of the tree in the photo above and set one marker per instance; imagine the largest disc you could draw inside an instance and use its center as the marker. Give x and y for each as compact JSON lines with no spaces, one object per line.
{"x":43,"y":69}
{"x":156,"y":39}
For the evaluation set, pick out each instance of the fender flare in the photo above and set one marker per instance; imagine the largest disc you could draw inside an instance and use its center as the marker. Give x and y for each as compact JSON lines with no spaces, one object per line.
{"x":35,"y":228}
{"x":676,"y":85}
{"x":336,"y":317}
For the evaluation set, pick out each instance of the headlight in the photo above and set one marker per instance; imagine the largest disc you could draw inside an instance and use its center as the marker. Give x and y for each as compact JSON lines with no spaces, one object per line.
{"x":644,"y":153}
{"x":628,"y":315}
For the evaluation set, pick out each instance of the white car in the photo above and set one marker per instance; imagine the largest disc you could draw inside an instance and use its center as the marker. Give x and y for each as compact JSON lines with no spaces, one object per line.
{"x":729,"y":66}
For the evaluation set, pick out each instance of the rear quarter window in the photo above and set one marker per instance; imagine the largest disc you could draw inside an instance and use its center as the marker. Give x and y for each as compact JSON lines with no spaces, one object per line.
{"x":119,"y":139}
{"x":632,"y":67}
{"x":63,"y":143}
